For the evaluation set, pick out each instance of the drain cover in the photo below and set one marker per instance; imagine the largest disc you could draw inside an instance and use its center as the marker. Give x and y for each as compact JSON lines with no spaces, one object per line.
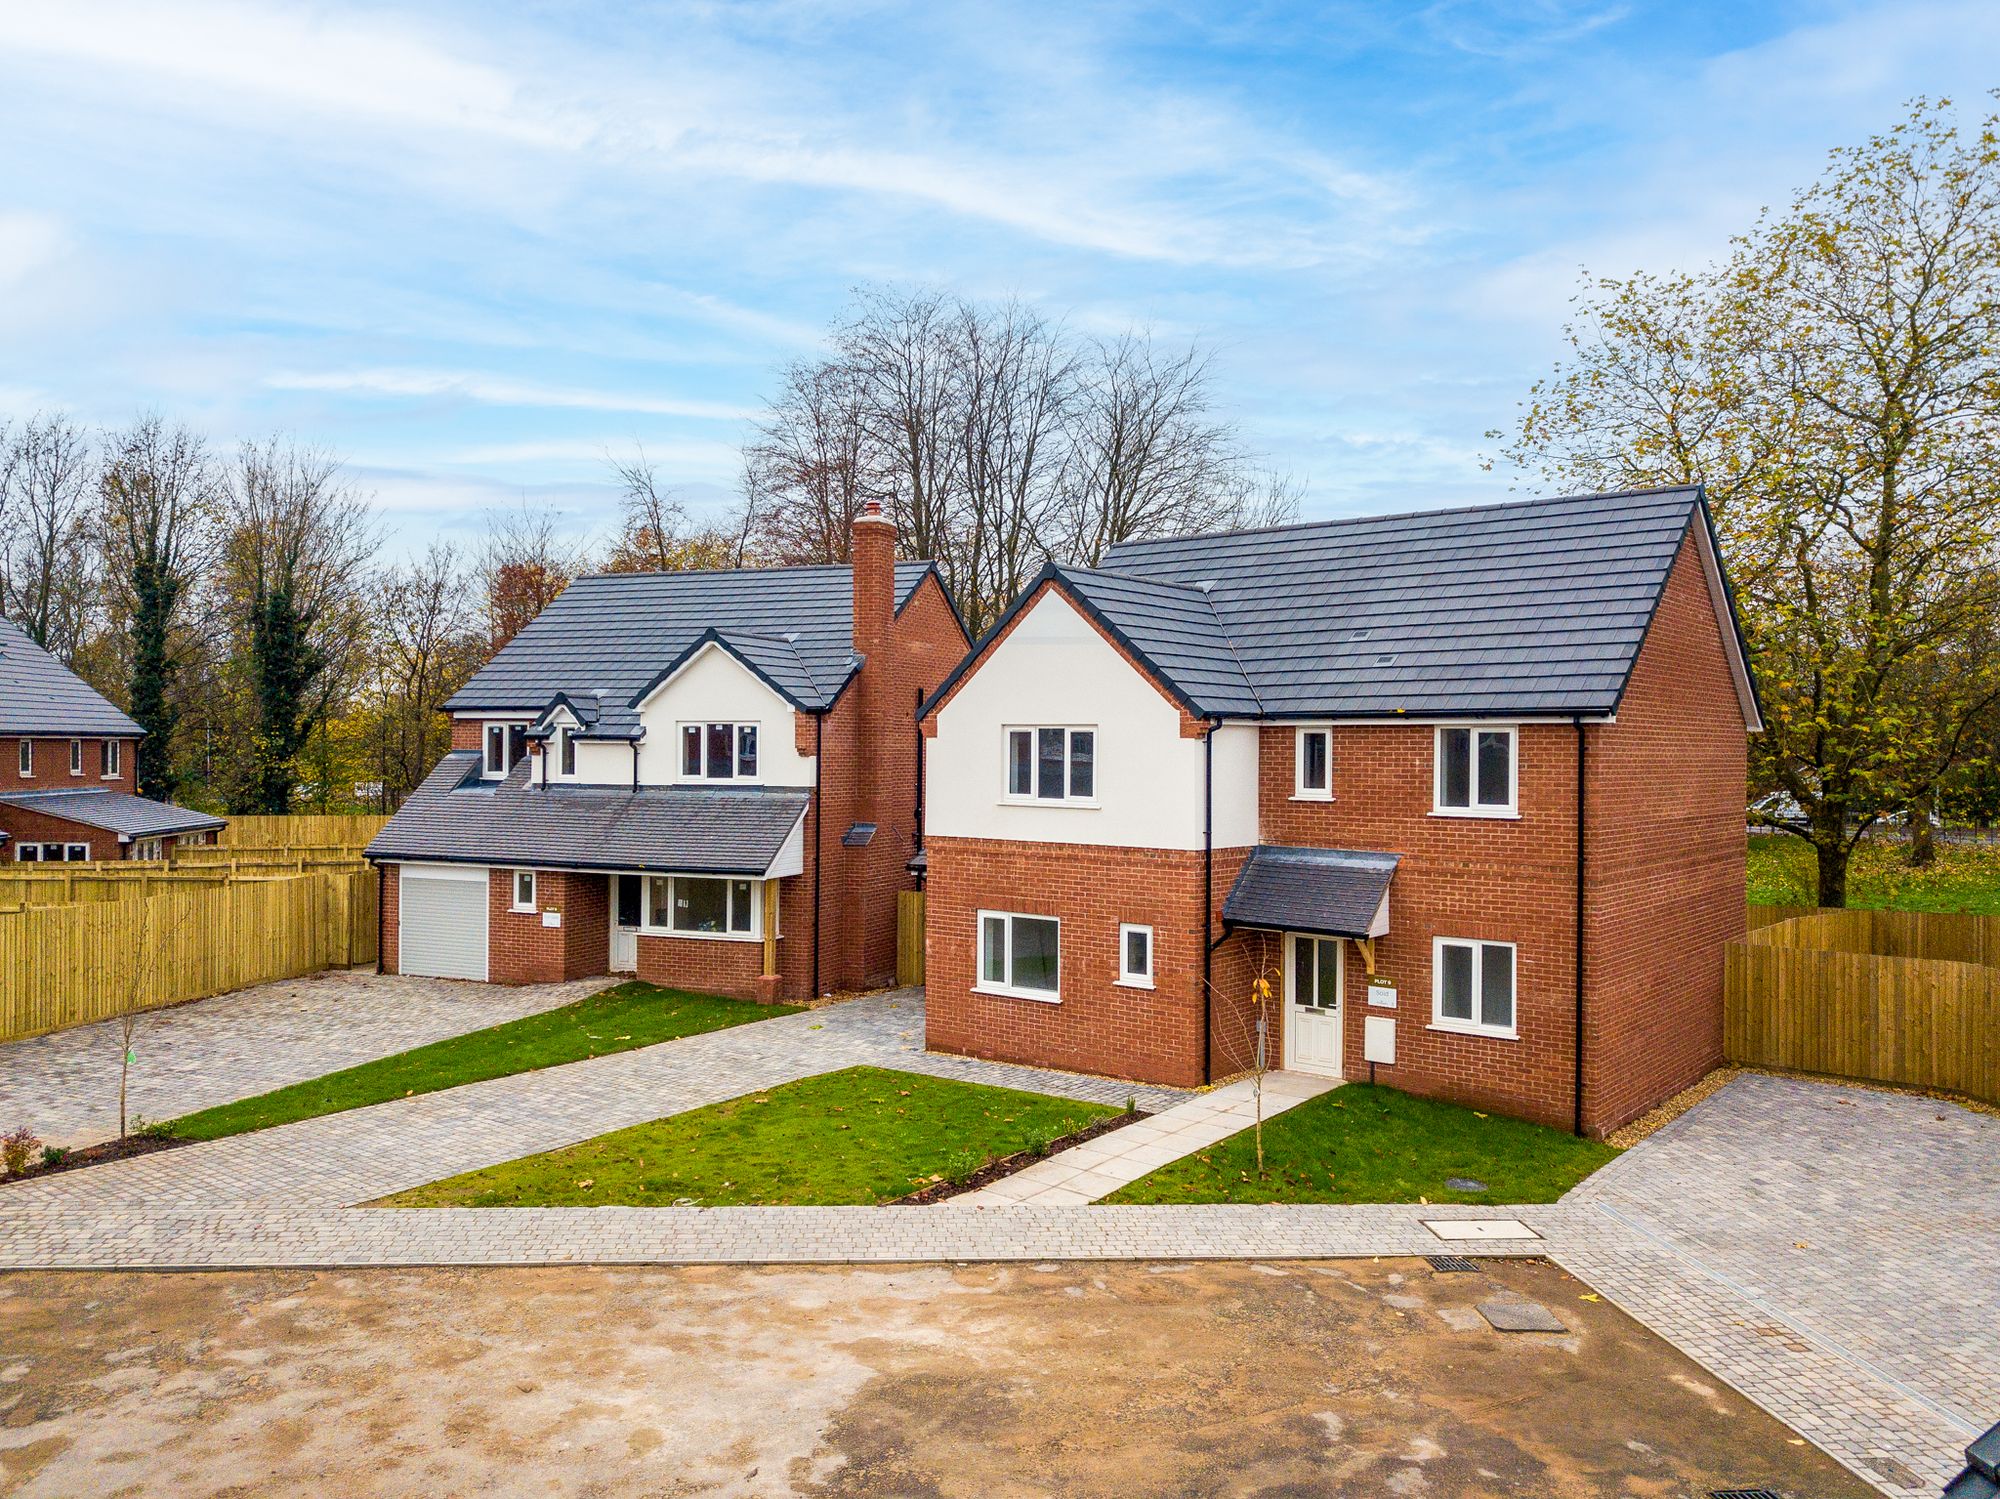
{"x":1450,"y":1264}
{"x":1742,"y":1494}
{"x":1520,"y":1316}
{"x":1464,"y":1184}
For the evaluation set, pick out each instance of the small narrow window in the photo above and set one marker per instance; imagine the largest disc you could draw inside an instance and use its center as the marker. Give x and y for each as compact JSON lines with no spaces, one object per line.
{"x":27,"y":757}
{"x":1082,"y":764}
{"x":496,"y":749}
{"x":107,"y":756}
{"x":746,"y":751}
{"x":76,"y":757}
{"x":1020,"y":762}
{"x":1019,"y":955}
{"x":1473,"y":986}
{"x":739,"y":905}
{"x":517,"y":743}
{"x":1476,"y":771}
{"x":524,"y":890}
{"x":1314,"y":758}
{"x":1049,"y":763}
{"x":1135,"y":956}
{"x":721,"y":752}
{"x":691,"y":749}
{"x":566,"y":739}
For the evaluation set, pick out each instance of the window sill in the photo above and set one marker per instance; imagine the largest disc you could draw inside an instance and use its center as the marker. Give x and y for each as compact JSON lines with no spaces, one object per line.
{"x":658,"y":931}
{"x":1039,"y":996}
{"x":526,"y":910}
{"x":1134,"y":984}
{"x":1481,"y":814}
{"x":1312,"y":796}
{"x":1076,"y":802}
{"x":1489,"y":1032}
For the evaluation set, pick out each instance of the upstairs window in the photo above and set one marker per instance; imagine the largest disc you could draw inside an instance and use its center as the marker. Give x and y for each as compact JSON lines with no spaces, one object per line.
{"x":1476,"y":773}
{"x":566,"y":748}
{"x":506,"y":743}
{"x":76,"y":757}
{"x":108,"y":755}
{"x":1052,"y":765}
{"x":27,"y":757}
{"x":719,"y":751}
{"x":1312,"y":760}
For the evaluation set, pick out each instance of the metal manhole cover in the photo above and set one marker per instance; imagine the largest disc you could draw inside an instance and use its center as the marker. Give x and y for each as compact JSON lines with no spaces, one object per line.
{"x":1450,"y":1264}
{"x":1743,"y":1494}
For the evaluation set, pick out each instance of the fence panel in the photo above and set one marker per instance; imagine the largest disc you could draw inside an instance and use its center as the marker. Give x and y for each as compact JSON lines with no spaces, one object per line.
{"x":1886,"y":996}
{"x":909,"y":936}
{"x":62,"y":965}
{"x":323,"y":829}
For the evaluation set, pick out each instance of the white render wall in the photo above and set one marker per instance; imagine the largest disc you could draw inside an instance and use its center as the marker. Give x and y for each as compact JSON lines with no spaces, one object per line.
{"x":1055,"y":668}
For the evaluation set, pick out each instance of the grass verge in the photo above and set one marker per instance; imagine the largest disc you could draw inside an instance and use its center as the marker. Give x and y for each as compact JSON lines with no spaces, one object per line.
{"x":862,"y":1135}
{"x":1373,"y":1144}
{"x":1966,"y":876}
{"x":620,"y":1019}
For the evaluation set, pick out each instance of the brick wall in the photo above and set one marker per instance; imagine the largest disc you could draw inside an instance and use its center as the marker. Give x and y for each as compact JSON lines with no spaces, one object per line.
{"x":1665,"y":846}
{"x":52,"y":766}
{"x":521,"y":950}
{"x":466,"y":734}
{"x":703,"y":965}
{"x":23,"y":826}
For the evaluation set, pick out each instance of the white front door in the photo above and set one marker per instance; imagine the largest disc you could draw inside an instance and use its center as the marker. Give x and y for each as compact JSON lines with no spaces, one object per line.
{"x":624,"y":923}
{"x":1312,"y":1005}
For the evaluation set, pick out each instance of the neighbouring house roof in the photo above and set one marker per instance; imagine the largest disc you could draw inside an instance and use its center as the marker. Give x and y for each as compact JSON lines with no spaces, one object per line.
{"x":610,"y":638}
{"x":1332,"y":892}
{"x":39,"y":695}
{"x":1532,"y":608}
{"x":457,"y":817}
{"x":116,"y":811}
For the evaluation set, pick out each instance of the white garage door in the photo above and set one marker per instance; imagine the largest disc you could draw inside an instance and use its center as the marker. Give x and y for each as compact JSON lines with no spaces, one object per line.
{"x":441,"y":921}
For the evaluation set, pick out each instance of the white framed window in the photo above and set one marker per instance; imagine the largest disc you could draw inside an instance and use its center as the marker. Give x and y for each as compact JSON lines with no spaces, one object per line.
{"x":51,"y":853}
{"x":1312,"y":763}
{"x":27,"y":757}
{"x":76,"y":757}
{"x":111,"y":758}
{"x":1477,"y":773}
{"x":719,"y":751}
{"x":1472,"y":986}
{"x":1135,"y":956}
{"x":524,"y":890}
{"x":1020,"y":955}
{"x":691,"y":905}
{"x":1052,"y":764}
{"x":505,"y":744}
{"x":566,"y":750}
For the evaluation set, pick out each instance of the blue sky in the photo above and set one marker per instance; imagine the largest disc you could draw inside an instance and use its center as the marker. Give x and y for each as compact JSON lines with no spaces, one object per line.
{"x":471,"y":247}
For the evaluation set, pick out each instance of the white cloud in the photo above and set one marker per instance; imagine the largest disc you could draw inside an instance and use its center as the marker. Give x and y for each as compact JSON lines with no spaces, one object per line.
{"x":29,"y":242}
{"x":494,"y":390}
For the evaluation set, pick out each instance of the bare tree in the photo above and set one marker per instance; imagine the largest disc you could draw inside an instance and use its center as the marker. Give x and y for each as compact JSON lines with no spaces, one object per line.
{"x":525,"y":561}
{"x":48,"y":571}
{"x":656,"y":533}
{"x":160,"y":511}
{"x":806,"y":475}
{"x":424,"y":643}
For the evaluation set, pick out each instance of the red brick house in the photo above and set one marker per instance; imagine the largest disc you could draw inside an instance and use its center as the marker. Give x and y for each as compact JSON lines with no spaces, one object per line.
{"x":1492,"y":759}
{"x":708,"y":779}
{"x":69,"y":769}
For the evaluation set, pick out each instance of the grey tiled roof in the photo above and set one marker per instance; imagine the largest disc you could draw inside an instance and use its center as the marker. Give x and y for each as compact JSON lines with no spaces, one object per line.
{"x":610,"y":637}
{"x":1535,"y":607}
{"x":455,"y":816}
{"x":39,"y":695}
{"x":1334,"y":892}
{"x":116,"y":811}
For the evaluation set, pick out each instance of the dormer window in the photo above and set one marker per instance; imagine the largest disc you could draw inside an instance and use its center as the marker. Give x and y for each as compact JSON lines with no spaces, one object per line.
{"x":566,"y":750}
{"x":506,"y":743}
{"x":718,"y":751}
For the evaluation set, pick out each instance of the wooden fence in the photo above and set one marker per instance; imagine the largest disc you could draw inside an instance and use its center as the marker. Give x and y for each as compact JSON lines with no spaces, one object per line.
{"x":1907,"y":997}
{"x":311,"y":829}
{"x":62,"y":965}
{"x":909,"y":936}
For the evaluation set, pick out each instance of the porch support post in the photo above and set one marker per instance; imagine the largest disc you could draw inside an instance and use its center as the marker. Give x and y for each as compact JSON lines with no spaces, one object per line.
{"x":770,"y":928}
{"x":1366,"y":945}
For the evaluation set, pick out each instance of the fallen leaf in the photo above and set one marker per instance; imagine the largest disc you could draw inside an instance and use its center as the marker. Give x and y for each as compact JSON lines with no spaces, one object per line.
{"x":1800,"y":1244}
{"x":1590,"y":1296}
{"x":588,"y":1181}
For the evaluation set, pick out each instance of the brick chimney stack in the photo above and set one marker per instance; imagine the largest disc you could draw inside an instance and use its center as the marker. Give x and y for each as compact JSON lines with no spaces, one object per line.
{"x":874,"y":550}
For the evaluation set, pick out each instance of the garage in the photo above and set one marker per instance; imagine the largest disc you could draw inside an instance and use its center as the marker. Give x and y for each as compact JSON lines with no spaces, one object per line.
{"x":441,"y":921}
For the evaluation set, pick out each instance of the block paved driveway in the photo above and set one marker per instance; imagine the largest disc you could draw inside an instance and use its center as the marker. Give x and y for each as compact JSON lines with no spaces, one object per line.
{"x":213,"y":1051}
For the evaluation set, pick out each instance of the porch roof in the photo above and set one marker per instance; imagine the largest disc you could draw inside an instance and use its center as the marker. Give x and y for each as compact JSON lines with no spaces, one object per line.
{"x":1331,"y":892}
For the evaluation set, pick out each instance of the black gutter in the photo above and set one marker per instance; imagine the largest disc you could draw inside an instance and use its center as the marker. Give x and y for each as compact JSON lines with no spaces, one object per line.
{"x":1576,"y":1091}
{"x":819,"y":837}
{"x":1208,"y":902}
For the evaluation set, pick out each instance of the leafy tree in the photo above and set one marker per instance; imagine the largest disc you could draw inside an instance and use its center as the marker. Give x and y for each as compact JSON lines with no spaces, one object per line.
{"x":1835,"y":383}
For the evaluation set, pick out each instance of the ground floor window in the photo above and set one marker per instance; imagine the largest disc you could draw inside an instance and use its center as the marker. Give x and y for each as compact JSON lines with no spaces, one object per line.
{"x":703,"y":906}
{"x":1135,"y":956}
{"x":1472,"y":986}
{"x":524,"y":890}
{"x":51,"y":853}
{"x":1019,"y":955}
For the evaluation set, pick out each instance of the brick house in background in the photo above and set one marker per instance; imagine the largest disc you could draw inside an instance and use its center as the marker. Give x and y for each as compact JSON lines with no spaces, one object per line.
{"x":708,"y":779}
{"x":1493,"y":758}
{"x":69,"y":769}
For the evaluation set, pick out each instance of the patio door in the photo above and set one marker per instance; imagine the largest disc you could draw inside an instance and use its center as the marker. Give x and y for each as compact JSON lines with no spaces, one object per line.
{"x":624,"y":923}
{"x":1312,"y":1005}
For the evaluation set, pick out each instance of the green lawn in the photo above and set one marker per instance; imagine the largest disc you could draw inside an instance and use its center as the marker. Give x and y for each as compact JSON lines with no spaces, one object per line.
{"x":864,"y":1135}
{"x":1371,"y":1144}
{"x":1964,"y":878}
{"x":631,"y":1015}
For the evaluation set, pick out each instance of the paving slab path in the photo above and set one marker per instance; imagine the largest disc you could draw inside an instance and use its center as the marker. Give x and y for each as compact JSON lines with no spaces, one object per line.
{"x":64,"y":1086}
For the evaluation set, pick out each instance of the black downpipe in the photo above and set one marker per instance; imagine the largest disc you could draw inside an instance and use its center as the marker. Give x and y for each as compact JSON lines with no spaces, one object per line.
{"x":635,"y":763}
{"x":819,"y":838}
{"x":918,"y":837}
{"x":1208,"y":903}
{"x":382,"y":889}
{"x":1576,"y":1090}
